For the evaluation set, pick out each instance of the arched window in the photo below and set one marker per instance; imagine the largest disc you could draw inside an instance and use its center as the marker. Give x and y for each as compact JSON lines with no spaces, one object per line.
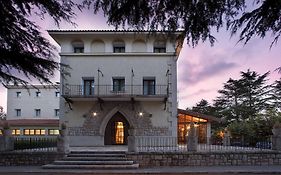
{"x":78,"y":46}
{"x":118,"y":46}
{"x":159,"y":46}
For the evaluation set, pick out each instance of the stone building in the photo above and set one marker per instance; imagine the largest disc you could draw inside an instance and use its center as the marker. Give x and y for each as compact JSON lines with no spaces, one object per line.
{"x":118,"y":80}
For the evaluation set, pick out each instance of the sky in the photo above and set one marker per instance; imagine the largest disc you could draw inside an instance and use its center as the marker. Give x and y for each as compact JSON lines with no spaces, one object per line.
{"x":201,"y":70}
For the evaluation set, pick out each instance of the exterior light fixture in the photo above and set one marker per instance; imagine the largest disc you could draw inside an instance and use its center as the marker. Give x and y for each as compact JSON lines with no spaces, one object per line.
{"x":94,"y":114}
{"x":140,"y":114}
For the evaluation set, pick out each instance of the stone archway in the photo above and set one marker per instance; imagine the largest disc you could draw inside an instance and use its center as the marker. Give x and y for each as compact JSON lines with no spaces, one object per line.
{"x":116,"y":131}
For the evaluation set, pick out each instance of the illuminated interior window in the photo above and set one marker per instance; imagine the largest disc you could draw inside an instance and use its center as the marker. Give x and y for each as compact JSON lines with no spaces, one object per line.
{"x":53,"y":132}
{"x":184,"y":122}
{"x":1,"y":133}
{"x":119,"y":136}
{"x":34,"y":131}
{"x":16,"y":132}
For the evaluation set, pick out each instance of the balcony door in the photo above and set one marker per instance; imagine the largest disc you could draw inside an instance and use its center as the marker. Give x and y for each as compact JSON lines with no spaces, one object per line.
{"x":89,"y":87}
{"x":149,"y":87}
{"x":118,"y":85}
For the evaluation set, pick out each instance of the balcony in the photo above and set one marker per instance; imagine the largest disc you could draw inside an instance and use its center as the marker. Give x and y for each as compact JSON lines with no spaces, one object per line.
{"x":119,"y":93}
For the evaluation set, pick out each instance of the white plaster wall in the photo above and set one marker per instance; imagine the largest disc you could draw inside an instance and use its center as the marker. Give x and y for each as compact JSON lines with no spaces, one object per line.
{"x":112,"y":66}
{"x":28,"y":102}
{"x":159,"y":116}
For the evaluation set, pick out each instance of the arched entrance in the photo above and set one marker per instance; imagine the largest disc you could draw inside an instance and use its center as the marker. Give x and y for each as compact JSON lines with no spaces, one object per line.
{"x":116,"y":131}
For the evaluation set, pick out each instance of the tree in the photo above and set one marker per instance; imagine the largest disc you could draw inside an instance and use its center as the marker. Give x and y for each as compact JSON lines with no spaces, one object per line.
{"x":196,"y":18}
{"x":2,"y":114}
{"x":276,"y":95}
{"x":244,"y":98}
{"x":23,"y":49}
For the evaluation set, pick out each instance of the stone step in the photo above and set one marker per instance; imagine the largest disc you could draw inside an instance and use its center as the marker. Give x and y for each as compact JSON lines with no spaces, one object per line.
{"x":95,"y":155}
{"x":97,"y":152}
{"x":102,"y":162}
{"x":52,"y":166}
{"x":95,"y":158}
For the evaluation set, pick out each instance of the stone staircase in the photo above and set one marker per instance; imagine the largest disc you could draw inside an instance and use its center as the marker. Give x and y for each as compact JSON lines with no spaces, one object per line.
{"x":93,"y":160}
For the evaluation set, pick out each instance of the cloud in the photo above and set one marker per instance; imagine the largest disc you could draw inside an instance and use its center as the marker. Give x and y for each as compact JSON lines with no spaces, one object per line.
{"x":195,"y":94}
{"x":195,"y":73}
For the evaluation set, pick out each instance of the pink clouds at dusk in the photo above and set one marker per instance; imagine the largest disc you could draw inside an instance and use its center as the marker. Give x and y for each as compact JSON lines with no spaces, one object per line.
{"x":201,"y":70}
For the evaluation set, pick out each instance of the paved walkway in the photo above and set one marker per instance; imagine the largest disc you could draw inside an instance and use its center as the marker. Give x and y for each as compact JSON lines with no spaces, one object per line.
{"x":163,"y":170}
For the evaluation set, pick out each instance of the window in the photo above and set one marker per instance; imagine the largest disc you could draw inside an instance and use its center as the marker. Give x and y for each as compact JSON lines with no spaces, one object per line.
{"x":1,"y":132}
{"x":34,"y":132}
{"x":118,"y":84}
{"x":37,"y":112}
{"x":18,"y":112}
{"x":38,"y":94}
{"x":89,"y":87}
{"x":57,"y":94}
{"x":149,"y":86}
{"x":159,"y":47}
{"x":18,"y":94}
{"x":16,"y":132}
{"x":119,"y":46}
{"x":78,"y":46}
{"x":53,"y":132}
{"x":57,"y":112}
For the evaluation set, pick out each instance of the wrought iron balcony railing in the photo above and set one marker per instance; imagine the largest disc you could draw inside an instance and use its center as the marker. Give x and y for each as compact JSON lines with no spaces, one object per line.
{"x":110,"y":90}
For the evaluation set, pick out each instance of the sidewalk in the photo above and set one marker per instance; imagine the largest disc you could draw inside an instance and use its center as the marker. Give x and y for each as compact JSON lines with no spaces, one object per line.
{"x":160,"y":170}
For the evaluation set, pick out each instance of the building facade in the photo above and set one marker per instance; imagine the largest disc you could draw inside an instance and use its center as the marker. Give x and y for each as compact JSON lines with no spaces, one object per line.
{"x":33,"y":110}
{"x":117,"y":80}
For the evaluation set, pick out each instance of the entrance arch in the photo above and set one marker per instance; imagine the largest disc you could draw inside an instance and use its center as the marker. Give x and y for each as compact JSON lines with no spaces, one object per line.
{"x":116,"y":131}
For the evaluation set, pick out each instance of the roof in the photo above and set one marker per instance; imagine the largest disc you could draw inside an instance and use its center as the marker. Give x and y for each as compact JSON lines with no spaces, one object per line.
{"x":119,"y":31}
{"x":199,"y":115}
{"x":41,"y":86}
{"x":31,"y":122}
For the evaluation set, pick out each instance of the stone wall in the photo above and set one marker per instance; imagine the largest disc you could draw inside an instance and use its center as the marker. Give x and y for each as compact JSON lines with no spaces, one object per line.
{"x":28,"y":158}
{"x":206,"y":159}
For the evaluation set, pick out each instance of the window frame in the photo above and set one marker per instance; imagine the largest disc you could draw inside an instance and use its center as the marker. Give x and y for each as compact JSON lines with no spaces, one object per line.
{"x":120,"y":86}
{"x":149,"y":89}
{"x":18,"y":112}
{"x":37,"y":112}
{"x":18,"y":94}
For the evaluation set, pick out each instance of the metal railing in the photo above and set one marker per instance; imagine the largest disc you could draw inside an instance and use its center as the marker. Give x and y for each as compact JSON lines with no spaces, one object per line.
{"x":159,"y":144}
{"x":237,"y":144}
{"x":173,"y":144}
{"x":35,"y":144}
{"x":110,"y":90}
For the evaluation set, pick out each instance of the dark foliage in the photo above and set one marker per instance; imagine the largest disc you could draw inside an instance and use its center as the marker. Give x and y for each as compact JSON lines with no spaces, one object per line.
{"x":23,"y":50}
{"x":197,"y":19}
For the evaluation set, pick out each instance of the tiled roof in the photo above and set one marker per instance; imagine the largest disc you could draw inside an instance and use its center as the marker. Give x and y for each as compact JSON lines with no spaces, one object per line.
{"x":133,"y":31}
{"x":32,"y":122}
{"x":41,"y":86}
{"x":199,"y":115}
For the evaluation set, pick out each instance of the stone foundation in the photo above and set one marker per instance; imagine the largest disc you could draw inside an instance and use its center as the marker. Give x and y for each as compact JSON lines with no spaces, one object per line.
{"x":28,"y":158}
{"x":206,"y":159}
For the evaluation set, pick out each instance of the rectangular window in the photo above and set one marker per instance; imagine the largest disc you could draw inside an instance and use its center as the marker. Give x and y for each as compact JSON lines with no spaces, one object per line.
{"x":78,"y":49}
{"x":159,"y":50}
{"x":57,"y":112}
{"x":18,"y":94}
{"x":34,"y":132}
{"x":53,"y":132}
{"x":1,"y":132}
{"x":57,"y":94}
{"x":118,"y":84}
{"x":18,"y":112}
{"x":119,"y":49}
{"x":149,"y":86}
{"x":37,"y":112}
{"x":38,"y":94}
{"x":16,"y":132}
{"x":89,"y":87}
